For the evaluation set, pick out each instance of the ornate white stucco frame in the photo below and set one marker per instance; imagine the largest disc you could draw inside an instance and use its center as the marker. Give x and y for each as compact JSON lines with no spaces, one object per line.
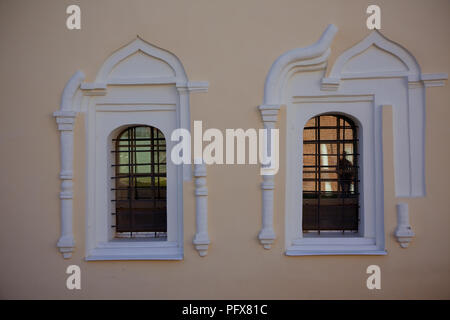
{"x":367,"y":69}
{"x":133,"y":67}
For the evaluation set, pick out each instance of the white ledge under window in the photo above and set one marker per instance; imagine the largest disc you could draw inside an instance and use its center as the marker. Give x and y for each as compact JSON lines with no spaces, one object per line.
{"x":135,"y":250}
{"x":332,"y":244}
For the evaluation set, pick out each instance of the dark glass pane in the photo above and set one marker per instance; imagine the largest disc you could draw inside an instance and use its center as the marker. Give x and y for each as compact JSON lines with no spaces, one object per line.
{"x":330,"y":175}
{"x":140,"y":182}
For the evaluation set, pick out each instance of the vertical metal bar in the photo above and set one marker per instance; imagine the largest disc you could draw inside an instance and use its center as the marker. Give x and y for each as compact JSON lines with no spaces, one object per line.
{"x":340,"y":182}
{"x":130,"y":179}
{"x":318,"y":151}
{"x":316,"y":168}
{"x":355,"y":171}
{"x":116,"y":181}
{"x":158,"y":164}
{"x":135,"y":177}
{"x":152,"y":161}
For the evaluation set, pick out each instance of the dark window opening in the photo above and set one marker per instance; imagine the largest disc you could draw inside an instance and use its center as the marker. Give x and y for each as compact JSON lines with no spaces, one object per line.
{"x":330,"y":175}
{"x":140,"y":183}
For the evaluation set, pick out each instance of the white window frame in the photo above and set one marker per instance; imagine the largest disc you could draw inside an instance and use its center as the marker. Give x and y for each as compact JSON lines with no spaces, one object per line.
{"x":109,"y":121}
{"x":370,"y":236}
{"x":364,"y":79}
{"x":139,"y":84}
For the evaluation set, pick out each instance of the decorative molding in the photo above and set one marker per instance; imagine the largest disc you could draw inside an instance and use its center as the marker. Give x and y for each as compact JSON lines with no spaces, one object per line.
{"x":156,"y":250}
{"x":140,"y":46}
{"x":434,"y":79}
{"x":269,"y":114}
{"x":374,"y":61}
{"x":376,"y":40}
{"x":407,"y":64}
{"x":133,"y":107}
{"x":141,"y":80}
{"x":185,"y":120}
{"x":267,"y":234}
{"x":308,"y":56}
{"x":374,"y":72}
{"x":93,"y":86}
{"x":116,"y":98}
{"x":329,"y":84}
{"x":201,"y":239}
{"x":198,"y":86}
{"x":65,"y":119}
{"x":121,"y":80}
{"x":70,"y":89}
{"x":311,"y":58}
{"x":403,"y":232}
{"x":333,"y":98}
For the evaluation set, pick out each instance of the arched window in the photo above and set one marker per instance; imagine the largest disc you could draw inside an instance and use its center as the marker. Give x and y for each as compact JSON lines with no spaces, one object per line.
{"x":140,"y":183}
{"x":131,"y":189}
{"x":330,"y":175}
{"x":374,"y":75}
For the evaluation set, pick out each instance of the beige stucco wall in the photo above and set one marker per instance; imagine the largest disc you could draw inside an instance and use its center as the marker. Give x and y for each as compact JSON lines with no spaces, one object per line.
{"x":232,"y":44}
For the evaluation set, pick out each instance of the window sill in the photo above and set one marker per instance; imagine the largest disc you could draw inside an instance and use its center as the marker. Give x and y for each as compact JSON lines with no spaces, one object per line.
{"x":310,"y":246}
{"x":133,"y":250}
{"x":292,"y":252}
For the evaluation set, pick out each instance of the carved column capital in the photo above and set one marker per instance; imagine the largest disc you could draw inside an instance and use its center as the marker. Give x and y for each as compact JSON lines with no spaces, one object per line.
{"x":65,"y":120}
{"x":269,"y":113}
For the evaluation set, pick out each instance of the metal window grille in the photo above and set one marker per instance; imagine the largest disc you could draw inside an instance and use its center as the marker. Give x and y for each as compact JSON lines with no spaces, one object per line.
{"x":330,"y":175}
{"x":140,"y":183}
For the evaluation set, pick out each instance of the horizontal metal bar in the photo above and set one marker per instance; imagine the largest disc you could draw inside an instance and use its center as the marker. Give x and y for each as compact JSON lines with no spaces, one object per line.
{"x":139,"y":164}
{"x":128,"y":188}
{"x":328,"y":127}
{"x":322,"y":166}
{"x":329,"y":179}
{"x":139,"y":200}
{"x":141,"y":139}
{"x":156,"y":146}
{"x":322,"y":171}
{"x":330,"y":154}
{"x":351,"y":205}
{"x":326,"y":192}
{"x":329,"y":141}
{"x":141,"y":175}
{"x":128,"y":151}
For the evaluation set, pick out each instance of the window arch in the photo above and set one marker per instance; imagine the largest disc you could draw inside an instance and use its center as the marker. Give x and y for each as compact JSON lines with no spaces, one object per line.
{"x":140,"y":183}
{"x":330,"y":175}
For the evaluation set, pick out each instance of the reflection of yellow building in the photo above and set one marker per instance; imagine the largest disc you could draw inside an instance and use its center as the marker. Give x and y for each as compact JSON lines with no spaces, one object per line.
{"x":329,"y":152}
{"x":330,"y":175}
{"x":53,"y":217}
